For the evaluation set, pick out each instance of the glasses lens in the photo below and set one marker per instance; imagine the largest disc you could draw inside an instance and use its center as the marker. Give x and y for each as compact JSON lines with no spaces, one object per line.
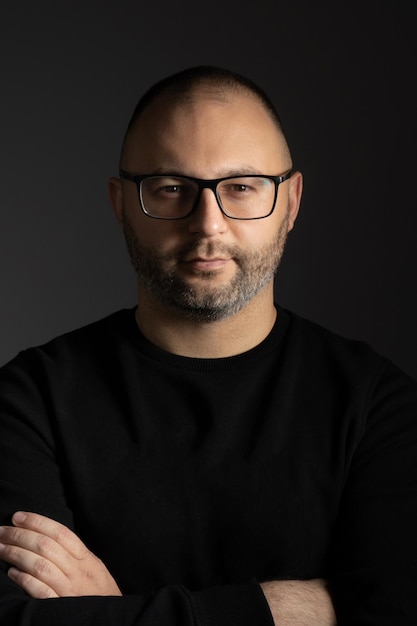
{"x":247,"y":197}
{"x":168,"y":197}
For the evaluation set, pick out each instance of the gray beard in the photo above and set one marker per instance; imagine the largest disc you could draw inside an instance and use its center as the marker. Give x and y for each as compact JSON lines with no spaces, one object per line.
{"x":206,"y":303}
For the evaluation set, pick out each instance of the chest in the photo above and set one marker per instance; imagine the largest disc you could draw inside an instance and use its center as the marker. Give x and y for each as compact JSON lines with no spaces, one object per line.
{"x":207,"y":480}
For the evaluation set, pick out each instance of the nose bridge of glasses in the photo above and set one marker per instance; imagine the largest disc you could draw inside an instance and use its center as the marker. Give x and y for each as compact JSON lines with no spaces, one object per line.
{"x":207,"y":184}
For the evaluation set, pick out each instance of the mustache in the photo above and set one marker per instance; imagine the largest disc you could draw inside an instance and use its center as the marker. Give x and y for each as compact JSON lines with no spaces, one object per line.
{"x":204,"y":249}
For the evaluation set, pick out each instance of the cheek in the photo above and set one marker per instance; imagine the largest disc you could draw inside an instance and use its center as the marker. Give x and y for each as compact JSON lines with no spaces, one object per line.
{"x":260,"y":233}
{"x":161,"y":236}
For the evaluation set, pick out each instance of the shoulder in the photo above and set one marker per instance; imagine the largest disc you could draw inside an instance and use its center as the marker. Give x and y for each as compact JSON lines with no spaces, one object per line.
{"x":311,"y":338}
{"x":90,"y":341}
{"x":327,"y":355}
{"x":347,"y":378}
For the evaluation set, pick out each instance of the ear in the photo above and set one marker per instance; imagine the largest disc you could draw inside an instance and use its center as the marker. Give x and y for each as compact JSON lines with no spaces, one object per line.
{"x":294,"y":197}
{"x":116,"y":197}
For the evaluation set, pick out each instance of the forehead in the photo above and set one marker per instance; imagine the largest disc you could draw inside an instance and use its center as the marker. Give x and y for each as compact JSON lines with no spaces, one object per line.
{"x":206,"y":131}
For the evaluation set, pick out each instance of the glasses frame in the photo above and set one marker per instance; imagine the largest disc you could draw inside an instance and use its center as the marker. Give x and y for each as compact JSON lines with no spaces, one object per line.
{"x":203,"y":183}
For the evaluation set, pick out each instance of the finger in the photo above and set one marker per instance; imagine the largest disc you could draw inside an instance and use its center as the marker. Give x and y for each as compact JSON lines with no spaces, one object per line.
{"x":53,"y":529}
{"x":34,"y":587}
{"x":36,"y":566}
{"x":38,"y":544}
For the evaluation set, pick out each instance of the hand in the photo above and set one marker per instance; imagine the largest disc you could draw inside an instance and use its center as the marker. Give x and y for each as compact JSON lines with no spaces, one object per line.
{"x":49,"y":561}
{"x":300,"y":602}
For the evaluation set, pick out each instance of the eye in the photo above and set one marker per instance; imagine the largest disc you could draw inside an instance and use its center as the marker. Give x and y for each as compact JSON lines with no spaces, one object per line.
{"x":239,"y":188}
{"x":170,"y":189}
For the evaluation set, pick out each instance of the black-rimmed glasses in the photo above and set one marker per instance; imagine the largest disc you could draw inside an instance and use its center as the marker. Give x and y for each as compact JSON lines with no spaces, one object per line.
{"x":172,"y":197}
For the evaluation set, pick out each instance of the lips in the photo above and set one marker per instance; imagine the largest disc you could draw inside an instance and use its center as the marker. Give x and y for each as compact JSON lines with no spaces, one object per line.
{"x":206,"y":259}
{"x":204,"y":256}
{"x":207,"y":263}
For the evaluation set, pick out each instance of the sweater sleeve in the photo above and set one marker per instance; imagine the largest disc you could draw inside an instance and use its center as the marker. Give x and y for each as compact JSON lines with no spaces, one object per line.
{"x":231,"y":605}
{"x":373,"y":574}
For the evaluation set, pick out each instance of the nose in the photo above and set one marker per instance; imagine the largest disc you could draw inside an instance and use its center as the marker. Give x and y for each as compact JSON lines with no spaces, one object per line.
{"x":207,"y":218}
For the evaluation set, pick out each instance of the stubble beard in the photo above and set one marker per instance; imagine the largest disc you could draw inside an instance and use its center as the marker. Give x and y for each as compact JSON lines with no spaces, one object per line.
{"x":205,"y":302}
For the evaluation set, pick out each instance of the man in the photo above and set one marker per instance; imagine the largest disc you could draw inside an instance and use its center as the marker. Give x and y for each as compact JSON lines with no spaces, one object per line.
{"x":208,"y":457}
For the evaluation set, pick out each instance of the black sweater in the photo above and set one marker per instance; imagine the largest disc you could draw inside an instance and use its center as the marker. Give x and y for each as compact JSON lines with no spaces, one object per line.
{"x":192,"y":479}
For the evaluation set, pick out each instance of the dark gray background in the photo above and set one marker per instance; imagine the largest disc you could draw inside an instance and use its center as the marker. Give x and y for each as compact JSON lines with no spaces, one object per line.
{"x":343,"y":77}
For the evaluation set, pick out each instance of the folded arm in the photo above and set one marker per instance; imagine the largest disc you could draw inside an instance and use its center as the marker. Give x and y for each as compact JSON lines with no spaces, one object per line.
{"x":49,"y":561}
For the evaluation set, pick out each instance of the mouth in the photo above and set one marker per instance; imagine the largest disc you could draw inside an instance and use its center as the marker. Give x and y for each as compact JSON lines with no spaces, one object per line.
{"x":208,"y":264}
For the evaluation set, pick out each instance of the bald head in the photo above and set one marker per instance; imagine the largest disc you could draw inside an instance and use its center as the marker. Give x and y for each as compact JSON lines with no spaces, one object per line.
{"x":202,"y":82}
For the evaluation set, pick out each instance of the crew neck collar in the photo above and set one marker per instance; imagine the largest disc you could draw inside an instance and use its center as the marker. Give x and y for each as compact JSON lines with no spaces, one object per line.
{"x":153,"y":352}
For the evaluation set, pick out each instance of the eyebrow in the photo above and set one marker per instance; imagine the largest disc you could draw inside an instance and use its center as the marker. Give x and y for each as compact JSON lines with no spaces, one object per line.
{"x":171,"y":171}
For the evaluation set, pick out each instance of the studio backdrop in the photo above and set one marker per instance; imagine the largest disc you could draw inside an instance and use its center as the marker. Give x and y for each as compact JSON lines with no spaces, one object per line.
{"x":343,"y":82}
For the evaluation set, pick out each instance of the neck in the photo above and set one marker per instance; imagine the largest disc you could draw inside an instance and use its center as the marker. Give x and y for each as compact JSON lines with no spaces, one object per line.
{"x":177,"y":334}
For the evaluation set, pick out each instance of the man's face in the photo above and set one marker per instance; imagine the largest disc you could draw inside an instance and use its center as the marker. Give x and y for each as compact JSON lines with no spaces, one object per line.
{"x":206,"y":266}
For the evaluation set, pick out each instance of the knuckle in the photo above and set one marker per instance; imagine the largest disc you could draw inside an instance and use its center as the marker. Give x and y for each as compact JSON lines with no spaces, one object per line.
{"x":44,"y":545}
{"x":82,"y":553}
{"x":63,"y":535}
{"x":41,"y":567}
{"x":8,"y":553}
{"x":16,"y":535}
{"x":87,"y":555}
